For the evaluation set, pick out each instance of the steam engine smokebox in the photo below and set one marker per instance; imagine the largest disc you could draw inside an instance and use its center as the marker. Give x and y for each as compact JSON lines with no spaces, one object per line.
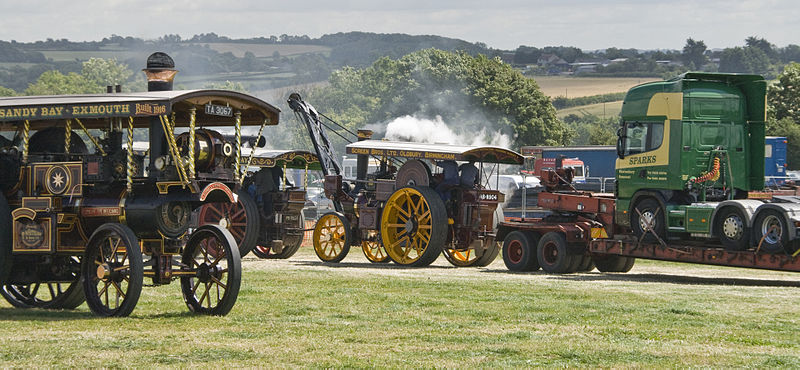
{"x":147,"y":213}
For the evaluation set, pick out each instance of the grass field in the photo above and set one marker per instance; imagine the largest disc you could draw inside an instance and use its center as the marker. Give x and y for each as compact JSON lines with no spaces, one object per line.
{"x":302,"y":313}
{"x":573,"y":87}
{"x":63,"y":55}
{"x":266,"y":50}
{"x":610,"y":109}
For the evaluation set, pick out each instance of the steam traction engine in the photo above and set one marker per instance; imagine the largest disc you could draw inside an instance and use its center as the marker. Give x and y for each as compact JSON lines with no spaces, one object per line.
{"x":268,"y":216}
{"x":402,"y":211}
{"x":93,"y":218}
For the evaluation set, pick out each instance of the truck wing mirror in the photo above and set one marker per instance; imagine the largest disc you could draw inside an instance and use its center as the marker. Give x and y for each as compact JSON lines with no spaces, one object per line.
{"x":620,"y":144}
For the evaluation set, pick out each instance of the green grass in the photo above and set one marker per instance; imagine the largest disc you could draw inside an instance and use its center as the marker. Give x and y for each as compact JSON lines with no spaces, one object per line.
{"x":267,"y":50}
{"x":68,"y":55}
{"x":302,"y":313}
{"x":610,"y":109}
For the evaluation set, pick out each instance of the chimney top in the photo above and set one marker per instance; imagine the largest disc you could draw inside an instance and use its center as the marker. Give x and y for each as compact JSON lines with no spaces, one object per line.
{"x":160,"y":61}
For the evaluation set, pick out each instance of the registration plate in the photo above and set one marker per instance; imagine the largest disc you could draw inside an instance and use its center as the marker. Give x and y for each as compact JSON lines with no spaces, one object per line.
{"x":219,"y":110}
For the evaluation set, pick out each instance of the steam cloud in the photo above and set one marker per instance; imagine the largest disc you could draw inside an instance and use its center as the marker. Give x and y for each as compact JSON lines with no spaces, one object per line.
{"x":422,"y":130}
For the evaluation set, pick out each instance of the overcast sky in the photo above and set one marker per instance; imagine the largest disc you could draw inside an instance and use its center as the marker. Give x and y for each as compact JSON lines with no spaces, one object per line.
{"x":502,"y":24}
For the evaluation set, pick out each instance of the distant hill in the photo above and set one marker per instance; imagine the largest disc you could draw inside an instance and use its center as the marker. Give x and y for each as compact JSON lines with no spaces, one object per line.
{"x":360,"y":49}
{"x":259,"y":63}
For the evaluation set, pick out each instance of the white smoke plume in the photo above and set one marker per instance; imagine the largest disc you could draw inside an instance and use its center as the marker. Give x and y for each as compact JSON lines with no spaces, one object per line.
{"x":422,"y":130}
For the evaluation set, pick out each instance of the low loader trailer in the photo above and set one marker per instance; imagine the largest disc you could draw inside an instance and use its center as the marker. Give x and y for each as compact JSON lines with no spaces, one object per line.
{"x":576,"y":238}
{"x":689,"y":188}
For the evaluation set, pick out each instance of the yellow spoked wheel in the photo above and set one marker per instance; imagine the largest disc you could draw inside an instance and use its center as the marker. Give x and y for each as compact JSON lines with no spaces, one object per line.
{"x":461,"y":258}
{"x":332,"y":237}
{"x":374,"y":251}
{"x":471,"y":257}
{"x":414,"y":226}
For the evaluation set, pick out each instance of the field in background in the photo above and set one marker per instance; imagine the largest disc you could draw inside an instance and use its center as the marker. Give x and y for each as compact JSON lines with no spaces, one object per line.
{"x":602,"y":110}
{"x":573,"y":87}
{"x":302,"y":313}
{"x":64,"y":55}
{"x":266,"y":50}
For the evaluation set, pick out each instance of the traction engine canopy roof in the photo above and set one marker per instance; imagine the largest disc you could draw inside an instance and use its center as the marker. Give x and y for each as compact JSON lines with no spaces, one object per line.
{"x":404,"y":149}
{"x":94,"y":110}
{"x":277,"y":158}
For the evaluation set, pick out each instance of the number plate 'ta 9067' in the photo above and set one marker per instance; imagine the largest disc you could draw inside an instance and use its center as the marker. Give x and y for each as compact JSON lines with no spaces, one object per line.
{"x":219,"y":110}
{"x":488,"y":196}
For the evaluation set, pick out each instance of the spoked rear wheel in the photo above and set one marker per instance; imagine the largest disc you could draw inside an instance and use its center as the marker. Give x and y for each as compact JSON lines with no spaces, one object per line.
{"x":374,"y":251}
{"x":471,"y":257}
{"x":241,"y":219}
{"x":461,"y":258}
{"x":332,"y":237}
{"x":66,"y":294}
{"x":214,"y":286}
{"x":112,"y":271}
{"x":414,"y":226}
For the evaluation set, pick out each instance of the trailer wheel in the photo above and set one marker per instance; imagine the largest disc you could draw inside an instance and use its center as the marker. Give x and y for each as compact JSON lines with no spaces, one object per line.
{"x":332,"y":237}
{"x":241,"y":219}
{"x":49,"y":295}
{"x":553,"y":254}
{"x":211,"y":254}
{"x":770,"y":225}
{"x":112,"y":271}
{"x":374,"y":251}
{"x":731,"y":227}
{"x":651,"y":212}
{"x":414,"y":226}
{"x":613,"y":263}
{"x":519,"y":251}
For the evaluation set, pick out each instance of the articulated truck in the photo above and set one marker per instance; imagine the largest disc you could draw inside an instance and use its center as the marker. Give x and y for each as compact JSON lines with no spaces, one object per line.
{"x":689,"y":187}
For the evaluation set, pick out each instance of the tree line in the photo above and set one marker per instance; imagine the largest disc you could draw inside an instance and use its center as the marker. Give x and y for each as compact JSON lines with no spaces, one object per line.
{"x":757,"y":55}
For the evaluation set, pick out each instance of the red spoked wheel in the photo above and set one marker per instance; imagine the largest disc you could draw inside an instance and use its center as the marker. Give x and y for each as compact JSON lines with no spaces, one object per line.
{"x":241,"y":219}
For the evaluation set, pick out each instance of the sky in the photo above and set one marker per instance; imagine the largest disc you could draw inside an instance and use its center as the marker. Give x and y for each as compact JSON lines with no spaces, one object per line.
{"x":501,"y":24}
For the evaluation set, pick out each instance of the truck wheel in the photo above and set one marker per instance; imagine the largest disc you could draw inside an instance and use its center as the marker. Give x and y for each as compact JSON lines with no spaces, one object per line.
{"x":731,"y":227}
{"x":771,"y":226}
{"x":414,"y":226}
{"x":241,"y":219}
{"x":650,"y":210}
{"x":519,"y":251}
{"x":212,"y":255}
{"x":332,"y":237}
{"x":553,"y":254}
{"x":613,"y":263}
{"x":112,"y":271}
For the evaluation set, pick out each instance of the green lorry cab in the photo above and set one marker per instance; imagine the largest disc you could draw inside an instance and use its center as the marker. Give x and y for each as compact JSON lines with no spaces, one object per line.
{"x":690,"y":150}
